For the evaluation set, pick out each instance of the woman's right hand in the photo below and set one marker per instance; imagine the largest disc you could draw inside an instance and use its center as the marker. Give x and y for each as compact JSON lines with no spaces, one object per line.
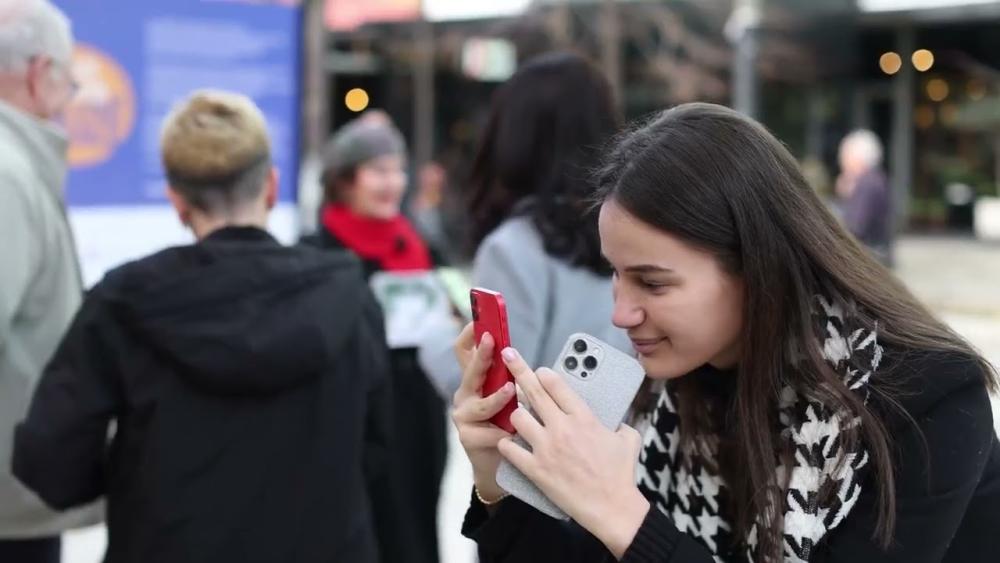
{"x":471,"y":411}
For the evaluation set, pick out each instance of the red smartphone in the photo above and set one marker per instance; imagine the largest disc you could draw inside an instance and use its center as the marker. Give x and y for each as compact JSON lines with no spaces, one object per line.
{"x":489,"y":315}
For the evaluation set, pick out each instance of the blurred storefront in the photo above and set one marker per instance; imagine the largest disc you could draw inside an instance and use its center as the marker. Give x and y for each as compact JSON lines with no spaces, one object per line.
{"x":923,"y":74}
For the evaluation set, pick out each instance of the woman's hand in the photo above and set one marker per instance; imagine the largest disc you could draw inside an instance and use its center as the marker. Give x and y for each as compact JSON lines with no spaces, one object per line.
{"x":584,"y":468}
{"x":471,"y":412}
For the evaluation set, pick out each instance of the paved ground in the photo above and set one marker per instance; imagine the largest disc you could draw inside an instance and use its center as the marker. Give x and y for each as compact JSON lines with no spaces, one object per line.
{"x":958,"y":278}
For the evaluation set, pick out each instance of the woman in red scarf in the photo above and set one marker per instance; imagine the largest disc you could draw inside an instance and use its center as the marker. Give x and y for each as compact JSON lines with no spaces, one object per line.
{"x":364,"y":178}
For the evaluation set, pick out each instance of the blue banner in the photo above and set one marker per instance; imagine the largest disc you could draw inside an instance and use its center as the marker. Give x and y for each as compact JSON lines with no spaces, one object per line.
{"x":135,"y":59}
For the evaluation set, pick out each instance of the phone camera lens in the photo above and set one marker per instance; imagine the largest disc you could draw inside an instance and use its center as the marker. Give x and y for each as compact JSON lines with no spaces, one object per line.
{"x":590,"y":363}
{"x":580,"y":346}
{"x":570,"y":363}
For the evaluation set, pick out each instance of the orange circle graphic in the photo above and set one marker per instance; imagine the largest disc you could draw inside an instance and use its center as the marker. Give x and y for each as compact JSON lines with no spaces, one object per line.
{"x":102,"y":114}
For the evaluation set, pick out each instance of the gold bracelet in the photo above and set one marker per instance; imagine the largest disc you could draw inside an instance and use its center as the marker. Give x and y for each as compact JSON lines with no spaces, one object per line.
{"x":488,"y":502}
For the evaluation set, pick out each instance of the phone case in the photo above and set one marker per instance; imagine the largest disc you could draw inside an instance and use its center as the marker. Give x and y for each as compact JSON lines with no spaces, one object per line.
{"x":489,"y":315}
{"x":608,"y":385}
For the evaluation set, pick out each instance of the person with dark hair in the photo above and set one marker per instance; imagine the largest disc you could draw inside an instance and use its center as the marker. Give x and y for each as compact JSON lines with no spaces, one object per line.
{"x":801,"y":405}
{"x":532,"y":223}
{"x":533,"y":226}
{"x":243,"y":384}
{"x":364,"y":178}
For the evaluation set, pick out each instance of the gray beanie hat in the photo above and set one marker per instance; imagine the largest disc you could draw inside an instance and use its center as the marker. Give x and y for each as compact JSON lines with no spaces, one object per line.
{"x":361,"y":140}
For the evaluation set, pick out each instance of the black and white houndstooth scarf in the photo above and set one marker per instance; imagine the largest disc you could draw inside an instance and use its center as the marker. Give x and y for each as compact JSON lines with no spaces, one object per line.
{"x":696,"y":499}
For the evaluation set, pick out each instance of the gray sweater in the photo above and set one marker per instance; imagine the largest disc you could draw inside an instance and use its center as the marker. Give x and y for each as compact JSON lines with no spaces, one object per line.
{"x":547,"y":301}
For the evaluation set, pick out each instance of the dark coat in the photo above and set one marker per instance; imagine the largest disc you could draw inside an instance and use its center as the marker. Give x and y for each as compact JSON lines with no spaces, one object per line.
{"x":245,"y":389}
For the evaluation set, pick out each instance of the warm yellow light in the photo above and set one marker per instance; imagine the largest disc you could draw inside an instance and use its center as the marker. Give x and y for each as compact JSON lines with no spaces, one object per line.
{"x":890,"y":62}
{"x":937,"y":89}
{"x":924,"y":116}
{"x":923,"y":60}
{"x":356,"y":100}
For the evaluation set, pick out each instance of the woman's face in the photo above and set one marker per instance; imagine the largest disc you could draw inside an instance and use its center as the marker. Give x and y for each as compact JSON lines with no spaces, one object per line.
{"x":680,"y":308}
{"x":378,"y":187}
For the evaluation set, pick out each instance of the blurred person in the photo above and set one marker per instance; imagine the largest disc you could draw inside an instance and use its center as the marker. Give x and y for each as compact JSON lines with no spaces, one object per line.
{"x":364,"y":179}
{"x":427,"y":203}
{"x":533,"y":222}
{"x":309,"y":196}
{"x":801,"y":404}
{"x":439,"y":210}
{"x":243,"y":383}
{"x":866,"y":200}
{"x":530,"y":211}
{"x":40,"y":283}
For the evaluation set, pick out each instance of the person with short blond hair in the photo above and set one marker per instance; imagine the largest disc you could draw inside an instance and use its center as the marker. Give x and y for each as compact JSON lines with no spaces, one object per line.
{"x":213,"y":141}
{"x":247,"y":381}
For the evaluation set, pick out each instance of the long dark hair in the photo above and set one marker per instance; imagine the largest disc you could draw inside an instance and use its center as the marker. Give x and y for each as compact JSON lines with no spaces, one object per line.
{"x":545,"y":126}
{"x":723,"y":183}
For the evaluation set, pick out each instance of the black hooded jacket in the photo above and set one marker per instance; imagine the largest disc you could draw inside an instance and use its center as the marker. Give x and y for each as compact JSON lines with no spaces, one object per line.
{"x":230,"y":399}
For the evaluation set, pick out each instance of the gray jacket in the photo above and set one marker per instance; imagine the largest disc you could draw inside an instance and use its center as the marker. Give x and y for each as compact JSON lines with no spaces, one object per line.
{"x":547,"y":300}
{"x":40,"y":291}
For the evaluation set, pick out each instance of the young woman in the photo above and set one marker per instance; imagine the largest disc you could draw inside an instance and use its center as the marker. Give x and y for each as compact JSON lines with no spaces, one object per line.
{"x":804,"y":406}
{"x":364,"y":179}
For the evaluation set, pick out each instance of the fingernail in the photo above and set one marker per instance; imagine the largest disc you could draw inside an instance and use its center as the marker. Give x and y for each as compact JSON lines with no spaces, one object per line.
{"x":486,"y":339}
{"x":509,"y":355}
{"x":508,"y":388}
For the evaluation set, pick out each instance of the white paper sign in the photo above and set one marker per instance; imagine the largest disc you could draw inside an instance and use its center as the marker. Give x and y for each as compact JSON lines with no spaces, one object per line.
{"x":414,"y":304}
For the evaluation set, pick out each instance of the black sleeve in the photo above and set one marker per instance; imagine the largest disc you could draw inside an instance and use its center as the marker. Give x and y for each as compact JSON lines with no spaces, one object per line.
{"x":933,"y":487}
{"x":517,"y":533}
{"x":59,"y":449}
{"x":659,"y":541}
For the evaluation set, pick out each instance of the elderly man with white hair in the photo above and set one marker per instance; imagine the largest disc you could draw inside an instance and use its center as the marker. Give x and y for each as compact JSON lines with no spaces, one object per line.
{"x":40,"y":286}
{"x":866,"y":200}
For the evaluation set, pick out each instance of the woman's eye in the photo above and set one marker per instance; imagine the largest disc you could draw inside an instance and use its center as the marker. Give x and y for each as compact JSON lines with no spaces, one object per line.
{"x":649,"y":284}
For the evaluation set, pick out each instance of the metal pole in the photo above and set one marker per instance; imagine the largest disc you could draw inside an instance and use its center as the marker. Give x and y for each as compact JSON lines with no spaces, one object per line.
{"x":611,"y":49}
{"x":901,"y":166}
{"x":315,"y":113}
{"x":315,"y":116}
{"x":423,"y":99}
{"x":743,"y":28}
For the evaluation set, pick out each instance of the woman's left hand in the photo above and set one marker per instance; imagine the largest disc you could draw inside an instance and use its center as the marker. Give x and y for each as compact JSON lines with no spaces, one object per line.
{"x":584,"y":468}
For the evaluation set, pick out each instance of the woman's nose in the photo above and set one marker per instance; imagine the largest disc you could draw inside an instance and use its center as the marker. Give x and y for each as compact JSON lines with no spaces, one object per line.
{"x":627,"y":312}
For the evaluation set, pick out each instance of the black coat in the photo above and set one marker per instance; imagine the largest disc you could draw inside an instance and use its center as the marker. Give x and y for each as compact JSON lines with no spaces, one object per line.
{"x":407,"y":518}
{"x":245,"y":388}
{"x":948,"y":495}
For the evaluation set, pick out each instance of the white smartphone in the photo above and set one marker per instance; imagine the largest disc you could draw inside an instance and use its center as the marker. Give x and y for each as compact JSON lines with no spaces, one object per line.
{"x":607,"y":379}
